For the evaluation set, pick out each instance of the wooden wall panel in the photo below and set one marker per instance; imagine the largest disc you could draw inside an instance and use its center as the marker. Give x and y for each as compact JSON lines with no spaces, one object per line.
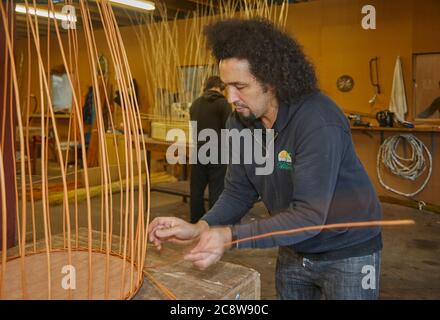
{"x":367,"y":145}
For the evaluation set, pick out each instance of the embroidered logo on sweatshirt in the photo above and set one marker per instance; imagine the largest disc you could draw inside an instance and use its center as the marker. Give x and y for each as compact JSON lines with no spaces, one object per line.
{"x":284,"y":160}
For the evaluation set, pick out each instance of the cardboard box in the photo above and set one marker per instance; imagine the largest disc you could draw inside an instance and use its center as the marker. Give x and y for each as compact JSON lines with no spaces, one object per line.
{"x":160,"y":129}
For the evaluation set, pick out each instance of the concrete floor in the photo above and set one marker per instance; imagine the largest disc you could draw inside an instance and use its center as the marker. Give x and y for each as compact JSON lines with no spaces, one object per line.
{"x":410,"y":257}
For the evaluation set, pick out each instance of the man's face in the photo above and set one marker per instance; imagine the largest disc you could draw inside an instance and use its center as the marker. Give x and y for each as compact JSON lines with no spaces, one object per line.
{"x":250,"y":98}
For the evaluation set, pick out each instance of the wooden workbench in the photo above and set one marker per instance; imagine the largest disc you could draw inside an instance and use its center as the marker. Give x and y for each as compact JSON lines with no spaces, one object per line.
{"x":222,"y":281}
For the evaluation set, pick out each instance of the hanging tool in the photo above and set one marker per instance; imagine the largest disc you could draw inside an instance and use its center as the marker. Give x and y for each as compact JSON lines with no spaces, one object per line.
{"x":374,"y":79}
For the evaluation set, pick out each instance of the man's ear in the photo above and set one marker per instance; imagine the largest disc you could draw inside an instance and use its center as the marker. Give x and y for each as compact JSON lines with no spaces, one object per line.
{"x":268,"y":88}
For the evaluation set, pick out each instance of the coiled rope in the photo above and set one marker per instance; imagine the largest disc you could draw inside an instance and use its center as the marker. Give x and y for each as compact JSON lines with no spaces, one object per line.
{"x":407,"y":168}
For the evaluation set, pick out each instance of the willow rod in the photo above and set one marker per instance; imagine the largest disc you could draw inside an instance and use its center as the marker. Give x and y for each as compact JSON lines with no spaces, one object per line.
{"x":113,"y":53}
{"x":138,"y":128}
{"x":35,"y":35}
{"x":349,"y":225}
{"x":57,"y":142}
{"x":129,"y":118}
{"x":14,"y":87}
{"x":167,"y":292}
{"x":28,"y":91}
{"x":4,"y":222}
{"x":103,"y":154}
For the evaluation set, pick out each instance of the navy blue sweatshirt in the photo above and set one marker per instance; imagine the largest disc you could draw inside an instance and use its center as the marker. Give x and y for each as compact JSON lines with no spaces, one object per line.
{"x":317,"y":179}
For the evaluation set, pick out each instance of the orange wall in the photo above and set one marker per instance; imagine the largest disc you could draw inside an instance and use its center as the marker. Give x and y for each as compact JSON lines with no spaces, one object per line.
{"x":333,"y":38}
{"x":331,"y":34}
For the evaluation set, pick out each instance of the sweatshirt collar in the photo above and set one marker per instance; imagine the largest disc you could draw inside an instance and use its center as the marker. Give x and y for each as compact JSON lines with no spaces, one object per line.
{"x":281,"y":120}
{"x":286,"y":112}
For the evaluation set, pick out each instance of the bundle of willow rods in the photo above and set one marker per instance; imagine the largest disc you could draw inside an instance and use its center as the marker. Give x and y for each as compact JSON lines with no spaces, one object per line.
{"x":169,"y":46}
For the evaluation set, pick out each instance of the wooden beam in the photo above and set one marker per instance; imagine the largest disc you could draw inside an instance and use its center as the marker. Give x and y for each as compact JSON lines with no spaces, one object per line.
{"x":206,"y":3}
{"x":410,"y":203}
{"x":180,"y":5}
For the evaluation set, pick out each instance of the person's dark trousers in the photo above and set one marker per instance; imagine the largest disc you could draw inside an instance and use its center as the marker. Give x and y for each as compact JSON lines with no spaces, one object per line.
{"x":211,"y":175}
{"x":355,"y":278}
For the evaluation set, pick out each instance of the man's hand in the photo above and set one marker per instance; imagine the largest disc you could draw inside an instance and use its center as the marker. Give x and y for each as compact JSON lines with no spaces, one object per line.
{"x":211,"y":246}
{"x":174,"y":230}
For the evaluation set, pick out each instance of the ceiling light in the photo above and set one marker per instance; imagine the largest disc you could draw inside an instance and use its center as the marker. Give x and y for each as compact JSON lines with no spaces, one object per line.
{"x":140,"y":4}
{"x":44,"y":13}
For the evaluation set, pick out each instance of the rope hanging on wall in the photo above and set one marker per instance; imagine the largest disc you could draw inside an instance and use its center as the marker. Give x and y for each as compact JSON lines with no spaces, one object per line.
{"x":407,"y":168}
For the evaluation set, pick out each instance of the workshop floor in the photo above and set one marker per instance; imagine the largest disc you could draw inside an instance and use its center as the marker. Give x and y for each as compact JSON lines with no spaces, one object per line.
{"x":410,"y":257}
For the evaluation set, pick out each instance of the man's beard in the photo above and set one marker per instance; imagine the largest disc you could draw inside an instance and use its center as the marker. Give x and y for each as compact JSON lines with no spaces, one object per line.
{"x":249,"y":120}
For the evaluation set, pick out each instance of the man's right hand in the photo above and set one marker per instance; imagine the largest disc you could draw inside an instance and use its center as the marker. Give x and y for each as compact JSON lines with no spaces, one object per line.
{"x":174,"y":230}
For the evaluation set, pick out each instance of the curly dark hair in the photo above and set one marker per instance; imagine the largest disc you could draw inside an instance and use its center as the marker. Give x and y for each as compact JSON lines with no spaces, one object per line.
{"x":274,"y":57}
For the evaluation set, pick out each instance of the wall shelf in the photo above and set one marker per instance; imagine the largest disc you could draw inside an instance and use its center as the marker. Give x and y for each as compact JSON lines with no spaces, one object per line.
{"x":418,"y":129}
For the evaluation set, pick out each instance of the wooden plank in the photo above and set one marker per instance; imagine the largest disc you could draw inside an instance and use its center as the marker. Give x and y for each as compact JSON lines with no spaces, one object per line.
{"x":411,"y":203}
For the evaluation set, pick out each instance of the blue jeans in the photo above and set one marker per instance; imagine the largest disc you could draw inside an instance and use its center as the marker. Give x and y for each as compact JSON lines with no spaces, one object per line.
{"x":354,"y":278}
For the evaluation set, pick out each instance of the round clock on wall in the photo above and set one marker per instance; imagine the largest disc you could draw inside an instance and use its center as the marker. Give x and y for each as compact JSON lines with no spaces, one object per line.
{"x":345,"y":83}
